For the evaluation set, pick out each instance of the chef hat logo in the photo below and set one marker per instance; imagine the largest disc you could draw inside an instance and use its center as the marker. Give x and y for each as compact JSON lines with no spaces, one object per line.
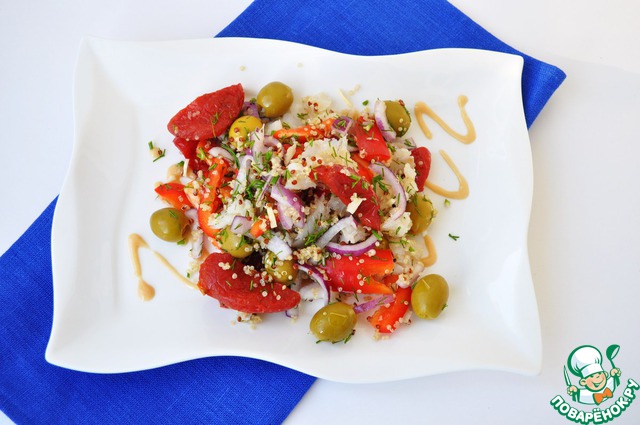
{"x":585,"y":360}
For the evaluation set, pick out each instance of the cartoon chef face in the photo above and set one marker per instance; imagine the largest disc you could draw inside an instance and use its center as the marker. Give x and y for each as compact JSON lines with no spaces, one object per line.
{"x":595,"y":382}
{"x":586,"y":362}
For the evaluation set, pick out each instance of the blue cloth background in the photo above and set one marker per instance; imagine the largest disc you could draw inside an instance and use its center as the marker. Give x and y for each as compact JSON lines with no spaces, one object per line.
{"x":223,"y":390}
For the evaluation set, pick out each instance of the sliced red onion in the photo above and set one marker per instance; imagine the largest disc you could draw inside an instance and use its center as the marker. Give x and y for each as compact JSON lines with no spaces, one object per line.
{"x":370,"y":305}
{"x":293,"y":311}
{"x":257,"y":137}
{"x":334,"y":230}
{"x":285,"y":221}
{"x":250,"y":108}
{"x":287,"y":200}
{"x":240,"y":225}
{"x":222,"y":153}
{"x":279,"y":247}
{"x":341,"y":126}
{"x":271,"y":141}
{"x":380,"y":114}
{"x":319,"y":212}
{"x":396,"y":187}
{"x":355,"y":249}
{"x":315,"y":274}
{"x":197,"y":244}
{"x":192,"y":215}
{"x":240,"y":182}
{"x":265,"y":189}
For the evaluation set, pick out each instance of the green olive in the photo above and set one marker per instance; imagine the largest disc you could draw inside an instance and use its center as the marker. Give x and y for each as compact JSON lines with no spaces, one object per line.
{"x":241,"y":128}
{"x":398,"y":116}
{"x":169,"y":224}
{"x":429,"y":296}
{"x":421,"y":210}
{"x":333,"y":322}
{"x":281,"y":270}
{"x":234,"y":244}
{"x":275,"y":99}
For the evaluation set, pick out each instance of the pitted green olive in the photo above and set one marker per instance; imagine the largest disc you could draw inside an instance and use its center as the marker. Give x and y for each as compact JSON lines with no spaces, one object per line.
{"x":398,"y":116}
{"x":169,"y":224}
{"x":241,"y":128}
{"x":280,"y":270}
{"x":275,"y":99}
{"x":333,"y":322}
{"x":421,"y":210}
{"x":236,"y":245}
{"x":429,"y":296}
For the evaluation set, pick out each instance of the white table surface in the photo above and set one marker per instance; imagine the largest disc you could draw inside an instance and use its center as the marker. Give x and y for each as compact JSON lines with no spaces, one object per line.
{"x":585,"y":223}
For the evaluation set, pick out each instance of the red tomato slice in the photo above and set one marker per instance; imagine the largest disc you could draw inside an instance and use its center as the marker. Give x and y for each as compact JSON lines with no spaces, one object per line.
{"x":173,"y":193}
{"x":422,"y":158}
{"x":209,"y":115}
{"x":371,"y":143}
{"x":358,"y":273}
{"x":344,"y":185}
{"x":386,"y":319}
{"x":241,"y":291}
{"x":189,"y":149}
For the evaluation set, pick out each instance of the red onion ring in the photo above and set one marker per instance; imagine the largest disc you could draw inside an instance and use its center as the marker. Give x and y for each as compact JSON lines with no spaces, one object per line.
{"x":355,"y":249}
{"x":286,"y":199}
{"x":240,"y":225}
{"x":240,"y":181}
{"x":293,"y":311}
{"x":250,"y":108}
{"x":257,"y":137}
{"x":334,"y":230}
{"x":380,"y":114}
{"x":370,"y":305}
{"x":315,"y":274}
{"x":285,"y":221}
{"x":342,"y":126}
{"x":396,"y":187}
{"x":222,"y":153}
{"x":271,"y":141}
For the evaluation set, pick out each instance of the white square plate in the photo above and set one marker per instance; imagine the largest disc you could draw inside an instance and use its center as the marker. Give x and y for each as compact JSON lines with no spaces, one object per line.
{"x":125,"y":93}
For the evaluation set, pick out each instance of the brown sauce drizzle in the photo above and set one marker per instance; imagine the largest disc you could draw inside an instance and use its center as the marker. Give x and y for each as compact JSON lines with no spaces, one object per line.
{"x":430,"y":259}
{"x":463,"y":187}
{"x":145,"y":291}
{"x":421,"y":109}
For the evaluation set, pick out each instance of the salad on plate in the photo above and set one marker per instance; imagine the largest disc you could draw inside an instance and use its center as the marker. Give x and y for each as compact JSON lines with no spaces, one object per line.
{"x":283,"y":201}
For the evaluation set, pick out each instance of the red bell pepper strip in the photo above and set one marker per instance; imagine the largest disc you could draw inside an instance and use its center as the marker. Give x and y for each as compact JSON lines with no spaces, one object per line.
{"x":210,"y":203}
{"x":363,"y":167}
{"x":371,"y":143}
{"x":422,"y":158}
{"x":359,"y":273}
{"x":386,"y":319}
{"x":307,"y":132}
{"x":174,"y":194}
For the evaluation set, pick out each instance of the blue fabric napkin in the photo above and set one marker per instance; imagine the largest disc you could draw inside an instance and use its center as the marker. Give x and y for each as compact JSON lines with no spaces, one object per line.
{"x":223,"y":390}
